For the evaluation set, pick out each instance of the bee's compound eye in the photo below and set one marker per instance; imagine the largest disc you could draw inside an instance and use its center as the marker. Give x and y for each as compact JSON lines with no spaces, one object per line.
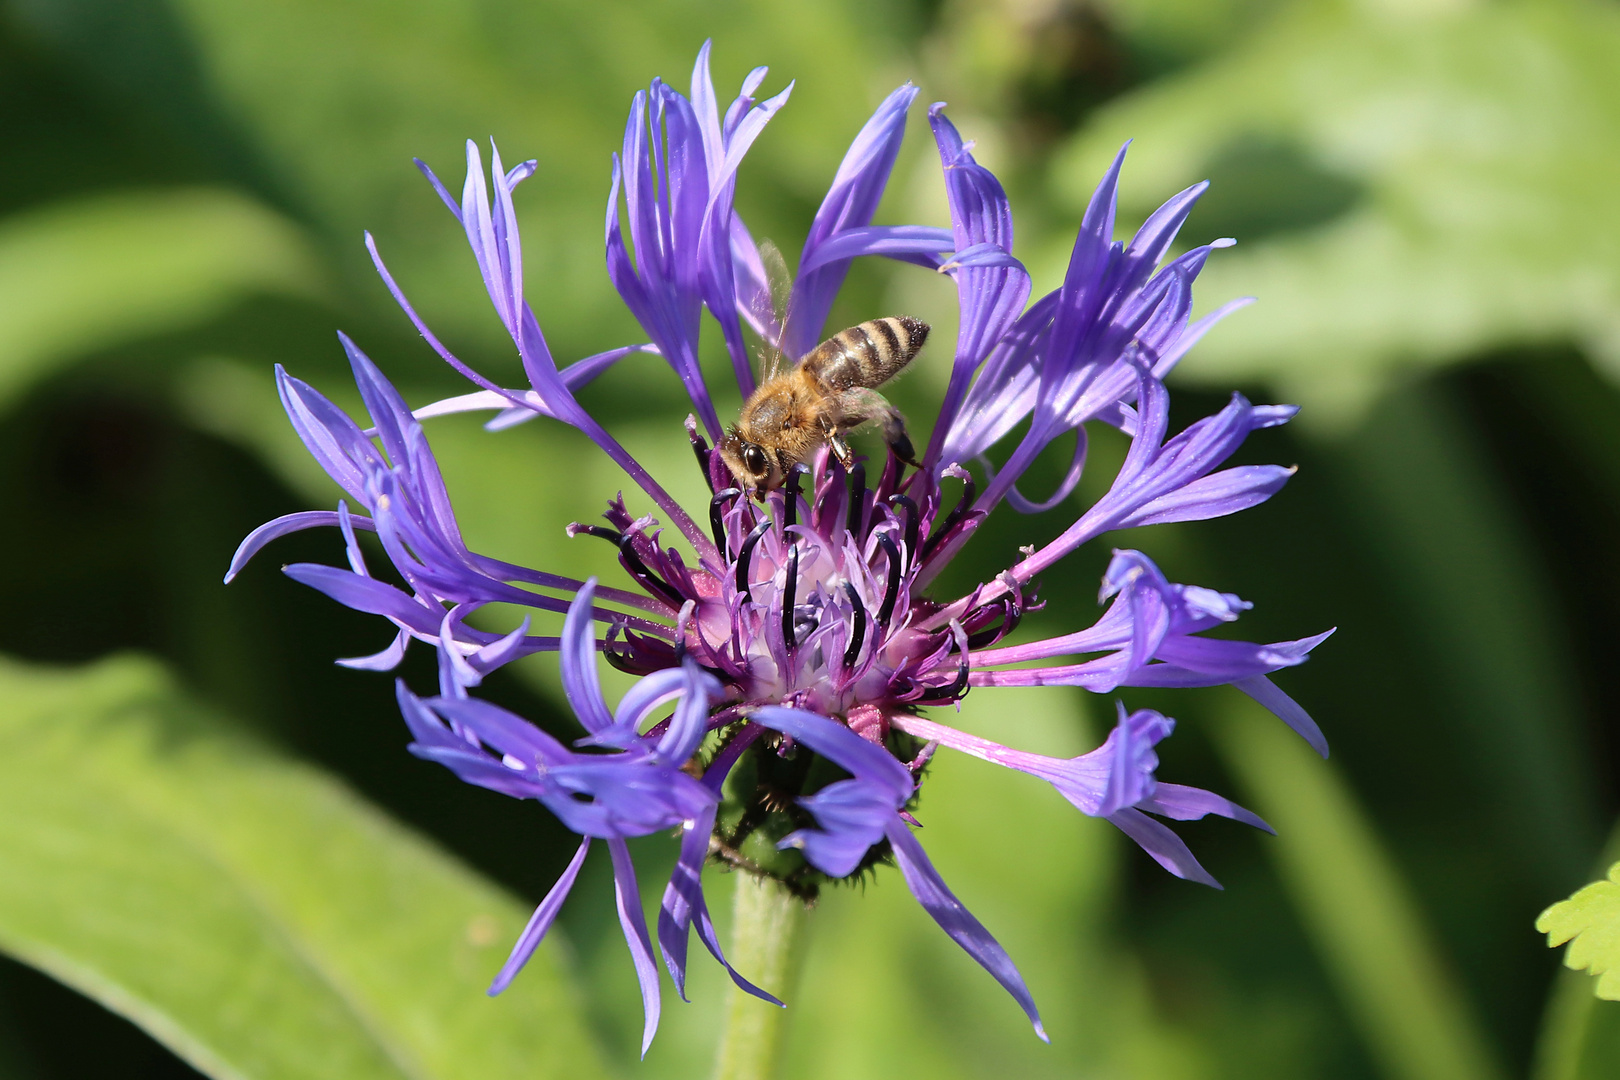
{"x":754,"y":459}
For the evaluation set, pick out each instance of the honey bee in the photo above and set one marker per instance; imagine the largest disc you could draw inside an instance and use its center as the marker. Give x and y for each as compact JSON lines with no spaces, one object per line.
{"x":831,"y":391}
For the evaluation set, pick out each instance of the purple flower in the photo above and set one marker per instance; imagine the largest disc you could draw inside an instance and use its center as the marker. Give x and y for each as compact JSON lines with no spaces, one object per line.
{"x":795,"y":638}
{"x":1114,"y":781}
{"x":678,"y":175}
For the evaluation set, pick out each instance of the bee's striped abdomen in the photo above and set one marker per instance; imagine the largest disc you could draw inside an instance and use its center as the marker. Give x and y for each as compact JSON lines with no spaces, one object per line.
{"x":866,"y":355}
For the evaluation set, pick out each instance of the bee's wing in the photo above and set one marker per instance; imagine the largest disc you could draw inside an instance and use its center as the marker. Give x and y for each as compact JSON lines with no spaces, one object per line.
{"x":754,"y":281}
{"x":779,"y":281}
{"x":770,"y":303}
{"x":781,"y":284}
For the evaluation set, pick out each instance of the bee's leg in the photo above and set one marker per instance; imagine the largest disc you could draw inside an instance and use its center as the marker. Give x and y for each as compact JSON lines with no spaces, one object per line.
{"x":868,"y":406}
{"x":894,"y":433}
{"x":840,"y":448}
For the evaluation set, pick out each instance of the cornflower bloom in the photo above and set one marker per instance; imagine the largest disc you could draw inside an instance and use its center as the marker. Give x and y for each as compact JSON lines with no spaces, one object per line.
{"x":788,"y":651}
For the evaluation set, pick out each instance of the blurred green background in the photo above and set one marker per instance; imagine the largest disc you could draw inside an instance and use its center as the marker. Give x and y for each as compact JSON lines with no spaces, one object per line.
{"x":209,"y":830}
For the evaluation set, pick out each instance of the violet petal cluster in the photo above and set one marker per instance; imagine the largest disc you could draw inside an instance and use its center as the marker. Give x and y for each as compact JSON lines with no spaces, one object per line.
{"x":792,"y":644}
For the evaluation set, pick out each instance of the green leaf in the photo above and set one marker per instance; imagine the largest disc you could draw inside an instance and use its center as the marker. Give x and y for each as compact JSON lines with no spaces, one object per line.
{"x":1580,"y":1035}
{"x":85,"y":274}
{"x":1351,"y":898}
{"x":1437,"y":521}
{"x":1484,"y":142}
{"x":249,"y":912}
{"x":342,"y":96}
{"x":1590,"y":922}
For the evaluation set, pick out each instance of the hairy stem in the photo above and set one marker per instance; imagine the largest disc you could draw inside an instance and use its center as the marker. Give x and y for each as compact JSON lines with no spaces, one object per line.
{"x":766,"y":935}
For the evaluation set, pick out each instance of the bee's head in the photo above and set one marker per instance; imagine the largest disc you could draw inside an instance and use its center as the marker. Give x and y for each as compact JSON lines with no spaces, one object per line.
{"x":753,"y":466}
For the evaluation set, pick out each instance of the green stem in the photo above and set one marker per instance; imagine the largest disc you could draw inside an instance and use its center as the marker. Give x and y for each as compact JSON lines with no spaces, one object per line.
{"x":766,"y":925}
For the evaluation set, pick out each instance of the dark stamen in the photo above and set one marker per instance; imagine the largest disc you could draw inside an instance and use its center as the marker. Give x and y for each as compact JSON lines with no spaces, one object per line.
{"x":790,"y":590}
{"x":790,"y":496}
{"x":745,"y":555}
{"x":717,"y":517}
{"x":700,"y":447}
{"x":640,"y":655}
{"x":627,"y":552}
{"x":891,"y":594}
{"x":969,"y":491}
{"x":1012,"y":608}
{"x":889,"y":478}
{"x":857,"y":500}
{"x":906,"y":503}
{"x":857,"y":632}
{"x":1015,"y":612}
{"x":1011,"y":613}
{"x":610,"y":535}
{"x":957,"y":688}
{"x":824,"y":506}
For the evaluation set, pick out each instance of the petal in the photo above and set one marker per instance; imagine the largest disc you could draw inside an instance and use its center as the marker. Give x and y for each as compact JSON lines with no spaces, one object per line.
{"x":684,"y":904}
{"x":540,"y":922}
{"x":627,"y":898}
{"x":386,"y":660}
{"x":331,"y":437}
{"x":581,"y":684}
{"x":1212,"y":496}
{"x":690,"y":722}
{"x":683,"y":896}
{"x":852,"y":815}
{"x":416,"y":320}
{"x":1286,"y":708}
{"x":389,"y":413}
{"x":840,"y":745}
{"x":474,"y":767}
{"x":1066,"y":486}
{"x":1227,"y":661}
{"x":891,"y":240}
{"x":1166,"y":847}
{"x":648,"y":693}
{"x":508,"y":733}
{"x":978,"y":257}
{"x":1189,"y":337}
{"x":957,"y":921}
{"x":281,"y":526}
{"x":1189,"y":804}
{"x":438,"y":186}
{"x":850,"y":203}
{"x":1156,"y":235}
{"x":365,"y":594}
